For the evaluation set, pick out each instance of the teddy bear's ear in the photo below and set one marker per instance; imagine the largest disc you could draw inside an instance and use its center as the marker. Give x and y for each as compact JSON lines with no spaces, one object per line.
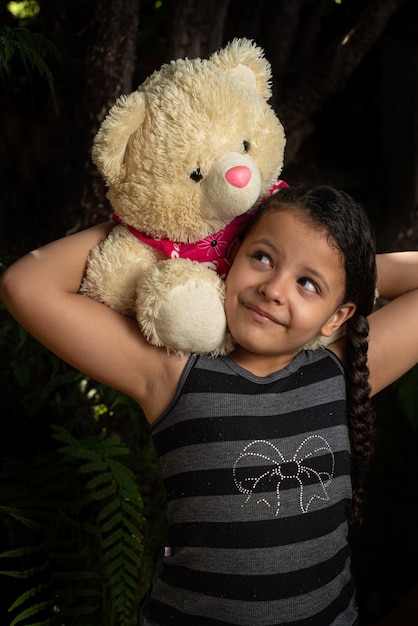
{"x":109,"y":145}
{"x":246,"y":62}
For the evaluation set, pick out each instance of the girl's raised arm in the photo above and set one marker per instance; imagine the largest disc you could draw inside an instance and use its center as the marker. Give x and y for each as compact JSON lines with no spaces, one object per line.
{"x":393,"y":343}
{"x":41,"y":292}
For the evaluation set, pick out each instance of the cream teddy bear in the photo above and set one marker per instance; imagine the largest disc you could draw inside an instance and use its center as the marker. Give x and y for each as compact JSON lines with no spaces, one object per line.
{"x":186,"y":159}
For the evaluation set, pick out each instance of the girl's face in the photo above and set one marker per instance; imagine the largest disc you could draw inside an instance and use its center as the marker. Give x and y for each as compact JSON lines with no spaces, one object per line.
{"x":285,"y":287}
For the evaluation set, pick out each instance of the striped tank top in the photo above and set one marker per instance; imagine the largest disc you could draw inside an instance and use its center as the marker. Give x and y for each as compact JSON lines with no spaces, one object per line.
{"x":257,"y":473}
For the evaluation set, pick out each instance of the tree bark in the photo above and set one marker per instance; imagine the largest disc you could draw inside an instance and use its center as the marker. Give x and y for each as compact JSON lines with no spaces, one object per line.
{"x":322,"y":80}
{"x":110,"y":65}
{"x":281,"y":37}
{"x":198,"y":28}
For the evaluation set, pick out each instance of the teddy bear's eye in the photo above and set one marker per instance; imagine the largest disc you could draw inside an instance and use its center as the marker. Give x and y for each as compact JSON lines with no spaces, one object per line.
{"x":246,"y":145}
{"x":196,"y":175}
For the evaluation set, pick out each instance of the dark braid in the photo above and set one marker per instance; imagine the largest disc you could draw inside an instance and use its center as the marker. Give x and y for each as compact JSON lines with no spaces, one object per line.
{"x":360,"y":408}
{"x":350,"y":232}
{"x":359,"y":250}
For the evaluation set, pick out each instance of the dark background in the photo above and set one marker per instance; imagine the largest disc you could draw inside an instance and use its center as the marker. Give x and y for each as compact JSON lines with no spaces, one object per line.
{"x":345,"y":79}
{"x":349,"y":109}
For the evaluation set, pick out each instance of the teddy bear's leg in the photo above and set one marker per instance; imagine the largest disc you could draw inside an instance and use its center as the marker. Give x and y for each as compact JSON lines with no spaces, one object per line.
{"x":180,"y":306}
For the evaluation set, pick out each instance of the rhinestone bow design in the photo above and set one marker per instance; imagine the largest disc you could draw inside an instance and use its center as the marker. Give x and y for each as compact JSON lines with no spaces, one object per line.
{"x":261,"y":472}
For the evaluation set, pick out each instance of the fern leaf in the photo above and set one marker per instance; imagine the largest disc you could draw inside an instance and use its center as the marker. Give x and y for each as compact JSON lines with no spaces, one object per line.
{"x":113,"y":565}
{"x":21,"y":517}
{"x":104,"y":493}
{"x":112,"y":485}
{"x":26,"y":573}
{"x":132,"y":541}
{"x":100,"y":479}
{"x":122,"y":561}
{"x":132,"y":528}
{"x":6,"y":47}
{"x":23,"y":551}
{"x":108,"y":509}
{"x":113,"y":539}
{"x":28,"y":594}
{"x":112,"y":522}
{"x":119,"y":563}
{"x":29,"y":47}
{"x":133,"y":570}
{"x":32,"y":610}
{"x":93,"y":466}
{"x":123,"y":595}
{"x":132,"y":508}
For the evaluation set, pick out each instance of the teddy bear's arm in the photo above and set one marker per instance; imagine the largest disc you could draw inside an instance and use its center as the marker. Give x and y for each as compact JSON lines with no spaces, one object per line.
{"x":114,"y":268}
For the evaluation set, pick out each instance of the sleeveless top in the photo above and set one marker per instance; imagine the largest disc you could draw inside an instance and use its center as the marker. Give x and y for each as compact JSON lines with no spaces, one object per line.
{"x":257,"y":473}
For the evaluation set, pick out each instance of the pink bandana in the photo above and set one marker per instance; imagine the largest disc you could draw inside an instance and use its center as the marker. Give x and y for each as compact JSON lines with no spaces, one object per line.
{"x":212,"y":250}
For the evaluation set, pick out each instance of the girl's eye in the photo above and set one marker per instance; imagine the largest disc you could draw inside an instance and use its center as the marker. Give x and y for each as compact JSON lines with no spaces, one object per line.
{"x":262,"y":257}
{"x":308,"y":284}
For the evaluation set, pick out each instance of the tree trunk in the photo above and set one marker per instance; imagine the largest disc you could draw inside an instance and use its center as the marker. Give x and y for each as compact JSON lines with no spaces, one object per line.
{"x":110,"y":65}
{"x":319,"y":82}
{"x":198,"y":28}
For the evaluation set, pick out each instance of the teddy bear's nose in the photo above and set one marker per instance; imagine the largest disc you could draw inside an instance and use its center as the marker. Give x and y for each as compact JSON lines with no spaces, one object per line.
{"x":238,"y":176}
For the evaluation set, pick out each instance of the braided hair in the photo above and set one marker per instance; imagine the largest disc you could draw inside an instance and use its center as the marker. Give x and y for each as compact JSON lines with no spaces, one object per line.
{"x":349,"y":230}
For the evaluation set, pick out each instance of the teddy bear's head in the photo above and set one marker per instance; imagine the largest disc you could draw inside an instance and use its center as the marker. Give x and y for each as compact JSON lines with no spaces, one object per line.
{"x":195,"y":146}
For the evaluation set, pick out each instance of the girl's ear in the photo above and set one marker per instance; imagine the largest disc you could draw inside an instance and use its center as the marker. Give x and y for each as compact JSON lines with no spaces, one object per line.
{"x":233,"y":249}
{"x":337,"y":319}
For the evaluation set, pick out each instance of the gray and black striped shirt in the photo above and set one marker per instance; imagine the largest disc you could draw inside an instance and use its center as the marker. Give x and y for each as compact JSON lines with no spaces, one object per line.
{"x":257,"y":473}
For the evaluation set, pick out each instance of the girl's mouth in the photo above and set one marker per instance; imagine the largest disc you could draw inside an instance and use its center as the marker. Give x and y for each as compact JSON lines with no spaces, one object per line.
{"x":260,"y":315}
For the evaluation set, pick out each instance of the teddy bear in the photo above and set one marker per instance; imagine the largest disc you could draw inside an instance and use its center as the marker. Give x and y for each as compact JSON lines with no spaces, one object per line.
{"x":186,"y":159}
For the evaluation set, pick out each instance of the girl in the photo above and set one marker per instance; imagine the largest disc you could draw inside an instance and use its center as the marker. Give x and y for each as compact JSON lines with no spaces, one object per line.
{"x":255,"y":448}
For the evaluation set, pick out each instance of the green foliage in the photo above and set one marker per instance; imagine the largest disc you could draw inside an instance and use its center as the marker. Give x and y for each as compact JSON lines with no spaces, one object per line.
{"x":31,"y":49}
{"x":24,"y":9}
{"x":81,"y":499}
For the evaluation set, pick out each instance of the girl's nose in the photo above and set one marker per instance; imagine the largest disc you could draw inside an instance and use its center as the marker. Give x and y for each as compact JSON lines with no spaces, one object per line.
{"x":274,"y":289}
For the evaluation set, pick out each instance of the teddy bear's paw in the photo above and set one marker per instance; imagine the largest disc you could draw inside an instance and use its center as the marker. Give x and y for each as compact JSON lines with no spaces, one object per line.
{"x":180,"y":306}
{"x":183,"y":326}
